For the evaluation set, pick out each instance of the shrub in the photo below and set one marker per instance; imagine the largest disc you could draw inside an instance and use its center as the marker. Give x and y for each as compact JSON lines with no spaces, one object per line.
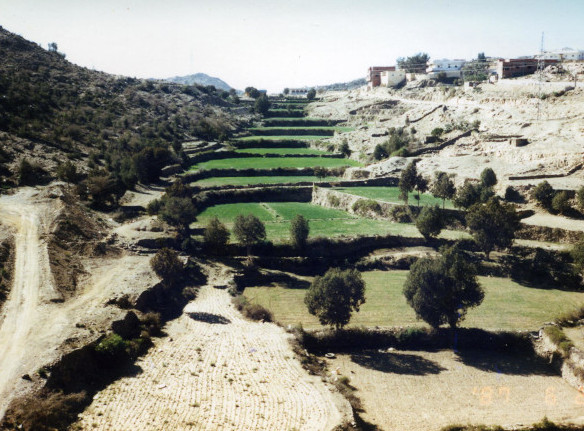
{"x":577,"y":254}
{"x":430,"y":221}
{"x":366,"y":206}
{"x":252,"y":311}
{"x":334,"y":201}
{"x":31,"y":174}
{"x":544,"y":193}
{"x":216,"y":235}
{"x":488,"y":177}
{"x":299,"y":231}
{"x":167,"y":266}
{"x":400,"y":214}
{"x":580,"y":198}
{"x":249,"y":230}
{"x":437,"y":132}
{"x":560,"y":339}
{"x":561,"y":202}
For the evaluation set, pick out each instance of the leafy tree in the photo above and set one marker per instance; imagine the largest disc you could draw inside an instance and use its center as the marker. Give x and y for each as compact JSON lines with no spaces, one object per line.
{"x":311,"y":95}
{"x":580,"y":197}
{"x":53,"y":47}
{"x":467,"y":195}
{"x":443,"y":187}
{"x":252,"y":92}
{"x":421,"y":186}
{"x":261,"y":105}
{"x":180,"y":213}
{"x":334,"y":296}
{"x":344,"y":148}
{"x":216,"y":235}
{"x":320,"y":172}
{"x":149,"y":162}
{"x":249,"y":230}
{"x":492,"y":224}
{"x":103,"y":189}
{"x":415,"y":64}
{"x":167,"y":266}
{"x":286,"y":91}
{"x":488,"y":177}
{"x":442,"y":290}
{"x":561,"y":202}
{"x":299,"y":231}
{"x":481,"y":57}
{"x":430,"y":221}
{"x":407,"y":181}
{"x":437,"y":132}
{"x":543,"y":193}
{"x":379,"y":152}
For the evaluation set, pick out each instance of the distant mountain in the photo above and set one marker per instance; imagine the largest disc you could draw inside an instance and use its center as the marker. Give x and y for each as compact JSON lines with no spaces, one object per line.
{"x":201,"y":79}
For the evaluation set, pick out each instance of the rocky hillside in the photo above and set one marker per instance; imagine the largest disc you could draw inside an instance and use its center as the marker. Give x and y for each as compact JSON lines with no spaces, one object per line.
{"x":200,"y":79}
{"x":118,"y":128}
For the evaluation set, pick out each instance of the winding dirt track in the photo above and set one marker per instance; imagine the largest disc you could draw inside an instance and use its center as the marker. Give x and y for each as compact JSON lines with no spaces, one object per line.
{"x":216,"y":371}
{"x":31,"y":282}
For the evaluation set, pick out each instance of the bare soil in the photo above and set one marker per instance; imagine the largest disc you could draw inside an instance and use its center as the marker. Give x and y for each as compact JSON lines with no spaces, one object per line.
{"x":217,"y":371}
{"x":425,"y":391}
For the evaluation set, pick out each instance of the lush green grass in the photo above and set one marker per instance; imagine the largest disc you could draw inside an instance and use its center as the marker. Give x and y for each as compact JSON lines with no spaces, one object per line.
{"x":326,"y":222}
{"x":291,"y":151}
{"x":275,"y":162}
{"x":282,"y":138}
{"x":242,"y":181}
{"x":391,"y":194}
{"x":507,"y":305}
{"x":341,"y":129}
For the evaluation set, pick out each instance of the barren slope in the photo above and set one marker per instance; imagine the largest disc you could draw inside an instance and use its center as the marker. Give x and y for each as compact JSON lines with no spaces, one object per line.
{"x":216,"y":371}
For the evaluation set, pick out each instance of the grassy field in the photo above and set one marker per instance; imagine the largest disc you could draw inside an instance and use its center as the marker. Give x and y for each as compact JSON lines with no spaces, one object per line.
{"x":325,"y":222}
{"x":242,"y":181}
{"x":282,"y":138}
{"x":275,"y":162}
{"x":507,"y":305}
{"x":391,"y":194}
{"x":291,"y":151}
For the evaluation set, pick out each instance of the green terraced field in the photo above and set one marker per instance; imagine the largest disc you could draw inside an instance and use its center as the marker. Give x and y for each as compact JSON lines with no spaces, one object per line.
{"x":275,"y":162}
{"x":282,"y":138}
{"x":243,"y":181}
{"x":391,"y":194}
{"x":324,"y":222}
{"x":507,"y":304}
{"x":290,"y":151}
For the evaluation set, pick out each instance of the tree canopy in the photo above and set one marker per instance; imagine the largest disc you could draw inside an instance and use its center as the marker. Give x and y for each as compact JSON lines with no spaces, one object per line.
{"x":407,"y":181}
{"x":249,"y":230}
{"x":443,"y":187}
{"x":492,"y":224}
{"x":311,"y":95}
{"x":442,"y":290}
{"x":430,"y":221}
{"x":178,"y":212}
{"x":261,"y":105}
{"x":299,"y":231}
{"x":415,"y":64}
{"x":334,"y":296}
{"x":216,"y":235}
{"x":167,"y":265}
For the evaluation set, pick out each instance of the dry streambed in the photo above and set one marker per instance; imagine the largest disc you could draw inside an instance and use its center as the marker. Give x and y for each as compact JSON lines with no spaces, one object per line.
{"x":216,"y":371}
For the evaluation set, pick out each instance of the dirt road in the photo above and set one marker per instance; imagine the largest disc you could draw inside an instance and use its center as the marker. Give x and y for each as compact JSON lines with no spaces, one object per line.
{"x":31,"y":282}
{"x":216,"y":371}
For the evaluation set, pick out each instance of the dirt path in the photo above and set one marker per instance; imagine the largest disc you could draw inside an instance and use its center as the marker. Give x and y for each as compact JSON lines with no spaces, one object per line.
{"x":216,"y":371}
{"x":31,"y":284}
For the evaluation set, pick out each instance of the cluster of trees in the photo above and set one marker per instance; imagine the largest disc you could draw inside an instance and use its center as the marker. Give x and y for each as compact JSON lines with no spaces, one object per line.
{"x":396,"y":145}
{"x":249,"y":231}
{"x":556,"y":201}
{"x":415,"y":64}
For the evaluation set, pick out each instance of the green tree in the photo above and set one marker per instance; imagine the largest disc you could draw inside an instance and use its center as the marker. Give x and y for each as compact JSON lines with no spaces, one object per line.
{"x":421,"y":186}
{"x":299,"y":231}
{"x":67,"y":172}
{"x":492,"y":224}
{"x":334,"y":296}
{"x":286,"y":91}
{"x":320,"y":172}
{"x":467,"y":195}
{"x":561,"y":202}
{"x":261,"y":105}
{"x":379,"y":152}
{"x":488,"y":177}
{"x":180,"y":213}
{"x":249,"y":230}
{"x":252,"y":92}
{"x":544,"y":193}
{"x":407,"y":181}
{"x":415,"y":64}
{"x":216,"y":236}
{"x":577,"y":254}
{"x":430,"y":221}
{"x":167,"y":265}
{"x":442,"y":290}
{"x":443,"y":187}
{"x":103,"y":189}
{"x":311,"y":95}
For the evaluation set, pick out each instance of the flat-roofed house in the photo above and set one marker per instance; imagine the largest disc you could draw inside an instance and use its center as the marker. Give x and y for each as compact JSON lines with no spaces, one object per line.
{"x":374,"y":75}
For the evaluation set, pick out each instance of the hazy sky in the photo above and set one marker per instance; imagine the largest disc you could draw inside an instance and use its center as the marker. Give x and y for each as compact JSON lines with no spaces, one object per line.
{"x":276,"y":44}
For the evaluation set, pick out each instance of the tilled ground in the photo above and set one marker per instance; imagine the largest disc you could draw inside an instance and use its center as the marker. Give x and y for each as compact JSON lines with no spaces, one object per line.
{"x":216,"y":371}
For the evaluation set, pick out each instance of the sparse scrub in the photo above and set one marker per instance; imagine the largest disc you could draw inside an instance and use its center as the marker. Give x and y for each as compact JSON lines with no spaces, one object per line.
{"x":365,"y":207}
{"x":560,"y":339}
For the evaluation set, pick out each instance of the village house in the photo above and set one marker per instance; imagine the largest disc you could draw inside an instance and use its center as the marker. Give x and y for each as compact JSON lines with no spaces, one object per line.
{"x":374,"y":75}
{"x":514,"y":67}
{"x":564,"y":54}
{"x":451,"y":68}
{"x":392,"y":78}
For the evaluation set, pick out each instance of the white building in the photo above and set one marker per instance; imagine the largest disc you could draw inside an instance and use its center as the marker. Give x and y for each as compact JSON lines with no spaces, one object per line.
{"x":452,"y":68}
{"x":563,"y":54}
{"x":391,"y":78}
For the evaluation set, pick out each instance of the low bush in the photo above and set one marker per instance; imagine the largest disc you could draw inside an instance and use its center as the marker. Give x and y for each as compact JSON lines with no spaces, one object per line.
{"x":252,"y":311}
{"x":557,"y":336}
{"x":366,"y":206}
{"x":333,"y":200}
{"x":400,"y":214}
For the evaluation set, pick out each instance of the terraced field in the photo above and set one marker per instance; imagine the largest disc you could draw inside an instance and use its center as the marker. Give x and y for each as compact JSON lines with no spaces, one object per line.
{"x":275,"y":162}
{"x":290,"y":151}
{"x":243,"y":181}
{"x":325,"y":222}
{"x":507,"y":305}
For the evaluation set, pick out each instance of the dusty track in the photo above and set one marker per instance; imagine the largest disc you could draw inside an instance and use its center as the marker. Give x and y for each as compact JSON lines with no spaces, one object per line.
{"x":216,"y":371}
